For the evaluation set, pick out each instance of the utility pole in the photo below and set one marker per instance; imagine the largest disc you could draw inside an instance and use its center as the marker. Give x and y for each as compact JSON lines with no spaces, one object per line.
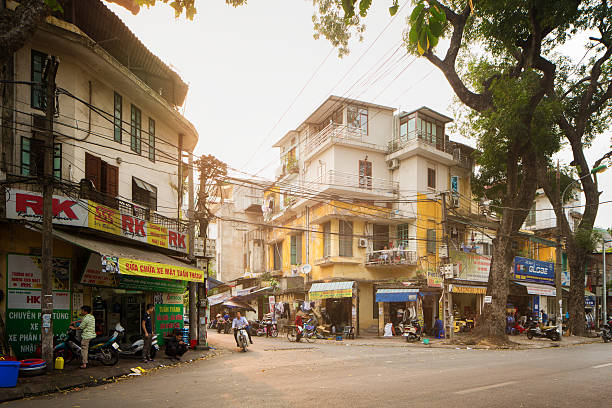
{"x":447,"y":297}
{"x":604,"y":304}
{"x":47,"y":222}
{"x":558,"y":262}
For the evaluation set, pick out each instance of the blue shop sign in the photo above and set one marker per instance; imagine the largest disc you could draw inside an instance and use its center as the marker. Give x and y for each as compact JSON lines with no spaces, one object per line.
{"x":589,"y":302}
{"x":530,"y":270}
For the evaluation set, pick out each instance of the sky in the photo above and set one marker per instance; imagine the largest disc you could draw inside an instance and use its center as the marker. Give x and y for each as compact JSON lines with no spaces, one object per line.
{"x":256,"y":72}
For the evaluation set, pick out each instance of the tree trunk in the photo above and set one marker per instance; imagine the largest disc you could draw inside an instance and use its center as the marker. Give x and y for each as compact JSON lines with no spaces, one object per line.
{"x":577,"y":263}
{"x":18,"y":26}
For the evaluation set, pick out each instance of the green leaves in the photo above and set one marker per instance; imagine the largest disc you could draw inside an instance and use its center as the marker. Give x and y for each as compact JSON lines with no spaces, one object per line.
{"x":427,"y":23}
{"x":349,"y":8}
{"x":393,"y":8}
{"x":54,"y":5}
{"x":364,"y":6}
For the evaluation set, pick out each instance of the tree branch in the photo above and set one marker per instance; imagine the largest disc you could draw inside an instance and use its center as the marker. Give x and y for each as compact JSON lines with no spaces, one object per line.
{"x":17,"y":26}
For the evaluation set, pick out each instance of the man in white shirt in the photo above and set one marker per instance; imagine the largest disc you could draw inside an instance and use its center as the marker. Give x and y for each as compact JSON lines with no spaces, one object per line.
{"x":238,"y":322}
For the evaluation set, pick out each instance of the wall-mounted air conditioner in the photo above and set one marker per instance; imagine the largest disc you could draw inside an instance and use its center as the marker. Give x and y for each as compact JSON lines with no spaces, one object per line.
{"x":363,"y":243}
{"x":393,"y":164}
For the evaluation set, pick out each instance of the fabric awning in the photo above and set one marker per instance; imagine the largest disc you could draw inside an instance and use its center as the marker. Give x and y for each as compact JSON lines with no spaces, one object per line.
{"x":396,"y":295}
{"x":213,"y":283}
{"x":130,"y":260}
{"x":237,"y":304}
{"x":535,"y":289}
{"x":245,"y":291}
{"x":328,"y":290}
{"x":218,"y":298}
{"x":479,"y":290}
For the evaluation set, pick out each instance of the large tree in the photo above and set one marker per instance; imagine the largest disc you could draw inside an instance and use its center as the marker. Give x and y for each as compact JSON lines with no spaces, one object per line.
{"x":521,"y":94}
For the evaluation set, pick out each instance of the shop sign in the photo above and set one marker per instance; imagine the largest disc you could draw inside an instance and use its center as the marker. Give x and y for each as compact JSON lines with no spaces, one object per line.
{"x":472,"y":267}
{"x":488,"y":299}
{"x":589,"y":301}
{"x":531,"y":270}
{"x":331,"y":294}
{"x":94,"y":275}
{"x":152,"y":284}
{"x":168,"y":316}
{"x":23,"y":319}
{"x":434,"y":278}
{"x":156,"y":270}
{"x":27,"y":205}
{"x":25,"y":272}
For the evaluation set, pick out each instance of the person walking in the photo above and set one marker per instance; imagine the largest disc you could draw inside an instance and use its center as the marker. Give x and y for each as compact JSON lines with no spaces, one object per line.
{"x":88,"y":328}
{"x":147,"y":330}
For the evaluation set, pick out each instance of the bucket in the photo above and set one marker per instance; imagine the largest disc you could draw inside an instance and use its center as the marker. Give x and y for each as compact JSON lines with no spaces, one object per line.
{"x":193,"y":343}
{"x":9,"y":371}
{"x":59,"y":363}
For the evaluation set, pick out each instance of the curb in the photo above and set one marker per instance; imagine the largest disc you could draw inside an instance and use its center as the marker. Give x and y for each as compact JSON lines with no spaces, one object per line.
{"x":54,"y":385}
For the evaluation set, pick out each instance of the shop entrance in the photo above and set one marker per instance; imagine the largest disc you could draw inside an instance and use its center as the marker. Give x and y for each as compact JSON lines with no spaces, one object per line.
{"x":112,"y":306}
{"x":465,"y":306}
{"x":338,"y":312}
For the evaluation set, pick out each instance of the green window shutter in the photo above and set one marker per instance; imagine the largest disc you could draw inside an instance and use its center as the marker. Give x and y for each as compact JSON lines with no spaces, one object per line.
{"x":293,"y":250}
{"x":431,"y":241}
{"x":118,"y":117}
{"x":57,"y":161}
{"x":25,"y":156}
{"x":37,"y":93}
{"x":151,"y":140}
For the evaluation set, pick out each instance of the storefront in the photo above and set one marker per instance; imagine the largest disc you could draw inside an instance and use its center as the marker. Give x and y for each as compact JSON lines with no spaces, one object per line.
{"x":336,"y":302}
{"x":394,"y":303}
{"x":467,"y":301}
{"x":533,"y":288}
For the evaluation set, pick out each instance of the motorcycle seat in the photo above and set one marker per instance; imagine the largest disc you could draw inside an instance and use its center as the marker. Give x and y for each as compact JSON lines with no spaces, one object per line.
{"x":100,"y":339}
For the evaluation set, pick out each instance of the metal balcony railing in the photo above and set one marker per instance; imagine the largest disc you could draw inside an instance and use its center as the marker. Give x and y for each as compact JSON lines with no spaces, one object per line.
{"x":338,"y":133}
{"x":339,"y":179}
{"x":393,"y":256}
{"x":416,"y":137}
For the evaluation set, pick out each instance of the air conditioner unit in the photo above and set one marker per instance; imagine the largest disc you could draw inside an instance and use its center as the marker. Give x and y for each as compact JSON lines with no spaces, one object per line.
{"x":363,"y":243}
{"x":393,"y":164}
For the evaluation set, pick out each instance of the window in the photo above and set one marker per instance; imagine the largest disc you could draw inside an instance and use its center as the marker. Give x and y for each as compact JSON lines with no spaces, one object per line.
{"x":277,"y":248}
{"x":326,"y":239}
{"x":151,"y":140}
{"x":431,"y":241}
{"x":402,"y":235}
{"x":357,"y":119}
{"x":407,"y":127}
{"x":296,"y":249}
{"x":33,"y":158}
{"x":380,"y":240}
{"x":104,"y":177}
{"x":485,"y":248}
{"x":431,"y":178}
{"x":37,"y":93}
{"x":365,"y":174}
{"x":135,"y":130}
{"x":118,"y":117}
{"x":428,"y":130}
{"x":530,"y":221}
{"x":346,"y":238}
{"x":144,"y":194}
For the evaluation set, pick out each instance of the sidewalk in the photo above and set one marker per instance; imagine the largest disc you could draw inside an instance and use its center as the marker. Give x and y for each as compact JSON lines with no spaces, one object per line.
{"x":96,"y":374}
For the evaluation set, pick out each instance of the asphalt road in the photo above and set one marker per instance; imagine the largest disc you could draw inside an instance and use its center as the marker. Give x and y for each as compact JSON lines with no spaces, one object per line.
{"x":276,"y":373}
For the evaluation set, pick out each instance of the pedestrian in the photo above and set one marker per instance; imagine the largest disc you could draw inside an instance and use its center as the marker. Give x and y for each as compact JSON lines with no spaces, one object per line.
{"x":88,"y":328}
{"x":147,"y":330}
{"x":176,"y":347}
{"x":544,"y":318}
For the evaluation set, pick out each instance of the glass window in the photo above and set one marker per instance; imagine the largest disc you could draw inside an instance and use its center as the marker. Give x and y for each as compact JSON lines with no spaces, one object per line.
{"x":431,"y":178}
{"x":357,"y":119}
{"x":326,"y":239}
{"x":277,"y":256}
{"x":404,"y":130}
{"x":402,"y":235}
{"x":37,"y":93}
{"x":33,"y":158}
{"x":135,"y":130}
{"x":151,"y":140}
{"x":346,"y":238}
{"x":296,"y":250}
{"x":365,"y":174}
{"x":531,"y":217}
{"x":144,"y":194}
{"x":25,"y":156}
{"x":118,"y":117}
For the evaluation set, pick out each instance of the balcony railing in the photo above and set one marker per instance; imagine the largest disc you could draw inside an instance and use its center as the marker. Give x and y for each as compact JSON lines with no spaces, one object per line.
{"x":339,"y":179}
{"x":338,"y":133}
{"x":394,"y":256}
{"x":416,"y":137}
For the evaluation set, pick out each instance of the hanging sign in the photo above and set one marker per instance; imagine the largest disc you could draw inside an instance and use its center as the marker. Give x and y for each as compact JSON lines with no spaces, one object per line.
{"x":168,"y":315}
{"x":531,"y":270}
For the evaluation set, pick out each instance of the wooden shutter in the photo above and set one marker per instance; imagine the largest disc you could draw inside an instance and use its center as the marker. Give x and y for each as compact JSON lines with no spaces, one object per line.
{"x":93,"y":170}
{"x":112,"y":180}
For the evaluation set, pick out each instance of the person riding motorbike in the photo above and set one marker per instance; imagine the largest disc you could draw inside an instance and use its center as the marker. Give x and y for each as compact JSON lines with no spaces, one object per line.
{"x":299,"y":323}
{"x":237,"y":323}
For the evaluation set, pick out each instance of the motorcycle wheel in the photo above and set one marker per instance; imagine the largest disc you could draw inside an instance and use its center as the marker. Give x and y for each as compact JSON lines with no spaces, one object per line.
{"x":529,"y":335}
{"x":219,"y":329}
{"x":291,"y":335}
{"x":310,"y":338}
{"x":66,"y":354}
{"x":109,"y":356}
{"x":556,"y":337}
{"x":274,"y":333}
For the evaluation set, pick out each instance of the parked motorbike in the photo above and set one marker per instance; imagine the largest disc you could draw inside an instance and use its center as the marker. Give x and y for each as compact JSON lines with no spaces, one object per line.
{"x":534,"y":330}
{"x":101,"y":348}
{"x":135,"y":346}
{"x":606,"y":331}
{"x":243,"y":338}
{"x":224,"y":325}
{"x":412,"y":331}
{"x":266,"y":328}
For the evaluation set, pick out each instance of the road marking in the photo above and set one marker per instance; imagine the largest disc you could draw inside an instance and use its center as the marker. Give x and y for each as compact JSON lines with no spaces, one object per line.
{"x":486,"y":387}
{"x":603,"y":365}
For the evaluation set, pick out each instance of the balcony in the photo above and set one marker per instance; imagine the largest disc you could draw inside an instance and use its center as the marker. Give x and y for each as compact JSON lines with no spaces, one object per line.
{"x":391,"y":257}
{"x":337,"y":133}
{"x":334,"y":181}
{"x":252,"y":203}
{"x":422,"y":143}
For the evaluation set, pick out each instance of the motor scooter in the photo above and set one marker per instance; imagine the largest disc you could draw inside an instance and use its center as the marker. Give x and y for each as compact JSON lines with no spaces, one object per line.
{"x":550,"y":332}
{"x":606,"y":331}
{"x":101,"y":348}
{"x":243,"y":338}
{"x":413,"y":331}
{"x":135,"y":346}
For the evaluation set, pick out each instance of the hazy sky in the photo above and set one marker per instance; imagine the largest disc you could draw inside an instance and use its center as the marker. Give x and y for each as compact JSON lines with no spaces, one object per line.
{"x":246,"y":66}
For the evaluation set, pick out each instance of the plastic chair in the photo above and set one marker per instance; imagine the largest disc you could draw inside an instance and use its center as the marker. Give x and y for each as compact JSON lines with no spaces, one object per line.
{"x":349,"y":332}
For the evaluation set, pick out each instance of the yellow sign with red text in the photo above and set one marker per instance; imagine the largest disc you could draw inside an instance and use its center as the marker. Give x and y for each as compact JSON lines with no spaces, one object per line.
{"x":158,"y":270}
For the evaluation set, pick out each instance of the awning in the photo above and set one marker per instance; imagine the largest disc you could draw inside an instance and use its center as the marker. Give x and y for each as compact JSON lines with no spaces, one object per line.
{"x":218,"y":298}
{"x":396,"y":295}
{"x":328,"y":290}
{"x":535,"y":289}
{"x":480,"y":290}
{"x":237,"y":304}
{"x":213,"y":283}
{"x":245,"y":291}
{"x":587,"y":293}
{"x":130,"y":260}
